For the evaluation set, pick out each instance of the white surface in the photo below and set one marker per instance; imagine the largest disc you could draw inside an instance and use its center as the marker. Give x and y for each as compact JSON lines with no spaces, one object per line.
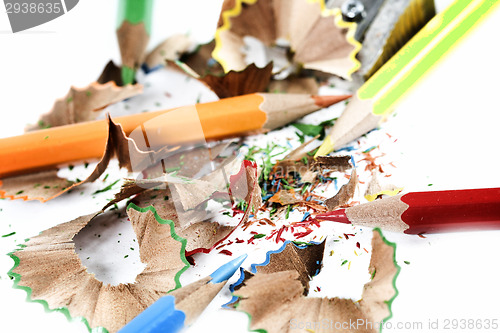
{"x":447,"y":130}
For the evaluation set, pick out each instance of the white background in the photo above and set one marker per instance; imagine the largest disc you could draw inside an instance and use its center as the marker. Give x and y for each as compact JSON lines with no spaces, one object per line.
{"x":447,"y":130}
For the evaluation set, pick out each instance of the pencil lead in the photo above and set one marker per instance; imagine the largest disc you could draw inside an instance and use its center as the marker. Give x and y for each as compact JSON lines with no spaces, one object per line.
{"x":227,"y":270}
{"x":336,"y":216}
{"x":326,"y":147}
{"x":326,"y":101}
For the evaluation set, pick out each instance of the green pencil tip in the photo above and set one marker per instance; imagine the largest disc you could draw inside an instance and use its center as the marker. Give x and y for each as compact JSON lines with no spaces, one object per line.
{"x":128,"y":75}
{"x":227,"y":270}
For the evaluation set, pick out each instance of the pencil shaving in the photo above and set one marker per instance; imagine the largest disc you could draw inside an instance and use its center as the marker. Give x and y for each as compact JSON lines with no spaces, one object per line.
{"x":176,"y":168}
{"x":274,"y":300}
{"x":170,"y":49}
{"x":300,"y":160}
{"x":49,"y":266}
{"x":46,"y":185}
{"x":333,"y":163}
{"x":201,"y":60}
{"x":345,"y":193}
{"x":301,"y":23}
{"x":203,"y":235}
{"x":83,"y":104}
{"x":285,"y":197}
{"x":378,"y":188}
{"x":250,"y":80}
{"x":111,"y":72}
{"x":306,"y":260}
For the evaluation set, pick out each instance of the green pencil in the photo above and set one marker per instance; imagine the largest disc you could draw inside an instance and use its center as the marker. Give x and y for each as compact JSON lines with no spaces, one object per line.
{"x":134,"y":29}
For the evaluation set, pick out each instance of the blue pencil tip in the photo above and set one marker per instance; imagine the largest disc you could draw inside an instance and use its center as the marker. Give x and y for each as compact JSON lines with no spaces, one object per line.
{"x":227,"y":270}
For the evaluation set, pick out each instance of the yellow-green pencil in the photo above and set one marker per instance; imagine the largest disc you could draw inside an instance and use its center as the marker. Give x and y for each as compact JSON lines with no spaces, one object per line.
{"x":378,"y":96}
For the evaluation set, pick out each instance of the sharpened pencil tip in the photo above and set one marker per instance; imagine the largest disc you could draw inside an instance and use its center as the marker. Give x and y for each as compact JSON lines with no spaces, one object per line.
{"x":227,"y":270}
{"x":128,"y":75}
{"x":336,"y":216}
{"x":326,"y":101}
{"x":325,"y":148}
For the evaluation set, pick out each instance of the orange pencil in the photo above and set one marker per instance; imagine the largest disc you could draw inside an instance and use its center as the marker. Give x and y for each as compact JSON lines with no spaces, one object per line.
{"x":227,"y":117}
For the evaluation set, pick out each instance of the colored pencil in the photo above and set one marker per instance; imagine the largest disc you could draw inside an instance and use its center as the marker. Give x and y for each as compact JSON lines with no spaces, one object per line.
{"x":134,"y":29}
{"x":227,"y":117}
{"x":181,"y":307}
{"x":426,"y":212}
{"x":376,"y":98}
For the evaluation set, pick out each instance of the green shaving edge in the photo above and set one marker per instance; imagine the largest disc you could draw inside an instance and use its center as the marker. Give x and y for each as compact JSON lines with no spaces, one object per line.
{"x":398,"y":270}
{"x":17,"y":277}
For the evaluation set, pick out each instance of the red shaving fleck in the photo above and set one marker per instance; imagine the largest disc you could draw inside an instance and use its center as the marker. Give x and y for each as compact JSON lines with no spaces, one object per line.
{"x":421,"y":236}
{"x":347,"y":235}
{"x":357,"y":245}
{"x":371,"y":162}
{"x":318,"y":288}
{"x":278,"y":236}
{"x":220,"y":246}
{"x":302,"y":234}
{"x":168,"y":94}
{"x":239,"y":240}
{"x":306,"y":223}
{"x":265,"y":221}
{"x":226,"y":252}
{"x":254,"y":232}
{"x":237,"y":211}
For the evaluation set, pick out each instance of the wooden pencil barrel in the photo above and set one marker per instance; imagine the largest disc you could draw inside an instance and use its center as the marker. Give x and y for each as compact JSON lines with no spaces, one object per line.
{"x":49,"y":148}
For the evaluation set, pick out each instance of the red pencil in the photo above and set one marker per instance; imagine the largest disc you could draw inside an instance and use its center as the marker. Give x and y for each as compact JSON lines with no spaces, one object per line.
{"x":426,"y":212}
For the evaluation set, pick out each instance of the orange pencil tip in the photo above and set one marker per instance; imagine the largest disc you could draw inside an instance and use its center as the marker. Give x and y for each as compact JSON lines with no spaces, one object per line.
{"x":326,"y":101}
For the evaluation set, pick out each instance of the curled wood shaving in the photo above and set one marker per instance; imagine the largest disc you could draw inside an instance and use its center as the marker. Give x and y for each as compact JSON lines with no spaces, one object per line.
{"x":345,"y":193}
{"x":49,"y":266}
{"x":84,"y":104}
{"x":273,"y":299}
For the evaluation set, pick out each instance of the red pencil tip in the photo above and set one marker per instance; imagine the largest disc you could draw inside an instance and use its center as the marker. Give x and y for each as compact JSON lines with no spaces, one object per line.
{"x":326,"y":101}
{"x":336,"y":216}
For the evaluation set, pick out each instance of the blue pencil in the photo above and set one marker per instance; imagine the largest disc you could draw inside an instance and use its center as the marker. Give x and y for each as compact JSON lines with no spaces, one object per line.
{"x":181,"y":307}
